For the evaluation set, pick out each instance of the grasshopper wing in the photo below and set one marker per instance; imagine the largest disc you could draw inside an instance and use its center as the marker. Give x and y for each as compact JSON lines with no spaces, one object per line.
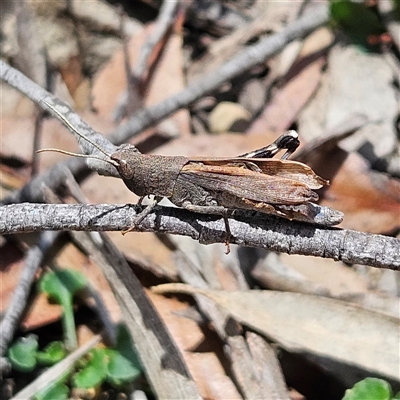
{"x":248,"y":184}
{"x":281,"y":168}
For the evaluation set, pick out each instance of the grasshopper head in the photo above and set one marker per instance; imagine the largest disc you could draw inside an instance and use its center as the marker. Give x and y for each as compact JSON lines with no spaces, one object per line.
{"x":126,"y":156}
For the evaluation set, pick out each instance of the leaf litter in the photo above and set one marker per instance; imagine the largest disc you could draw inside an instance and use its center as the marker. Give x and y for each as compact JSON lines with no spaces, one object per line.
{"x":341,"y":82}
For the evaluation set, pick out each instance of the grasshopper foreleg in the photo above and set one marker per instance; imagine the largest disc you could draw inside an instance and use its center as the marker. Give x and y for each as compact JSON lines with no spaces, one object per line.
{"x":143,"y":214}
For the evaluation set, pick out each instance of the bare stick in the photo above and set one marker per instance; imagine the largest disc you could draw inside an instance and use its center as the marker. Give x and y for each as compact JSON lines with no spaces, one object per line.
{"x":267,"y":232}
{"x":243,"y":61}
{"x":17,"y":305}
{"x":162,"y":361}
{"x":162,"y":25}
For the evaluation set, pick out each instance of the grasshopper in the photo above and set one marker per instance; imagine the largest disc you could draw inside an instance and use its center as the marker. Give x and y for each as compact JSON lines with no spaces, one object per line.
{"x":253,"y":181}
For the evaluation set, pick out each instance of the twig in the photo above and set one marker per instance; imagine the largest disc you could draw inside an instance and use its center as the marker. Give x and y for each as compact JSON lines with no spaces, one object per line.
{"x":18,"y":302}
{"x":36,"y":141}
{"x":242,"y":62}
{"x":266,"y":364}
{"x":245,"y":60}
{"x":263,"y":232}
{"x":164,"y":21}
{"x":63,"y":113}
{"x":136,"y":309}
{"x":163,"y":363}
{"x":163,"y":24}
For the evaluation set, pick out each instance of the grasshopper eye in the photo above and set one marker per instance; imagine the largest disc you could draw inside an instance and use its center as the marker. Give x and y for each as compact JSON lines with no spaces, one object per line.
{"x":125,"y":170}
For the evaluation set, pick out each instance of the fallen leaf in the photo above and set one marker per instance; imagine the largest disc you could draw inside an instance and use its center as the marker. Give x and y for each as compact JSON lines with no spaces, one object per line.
{"x":281,"y":111}
{"x":167,"y":80}
{"x":350,"y":86}
{"x":302,"y":323}
{"x":370,"y":200}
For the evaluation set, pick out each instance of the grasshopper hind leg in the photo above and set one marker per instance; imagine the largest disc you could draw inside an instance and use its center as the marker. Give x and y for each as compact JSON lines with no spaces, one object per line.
{"x":218,"y":210}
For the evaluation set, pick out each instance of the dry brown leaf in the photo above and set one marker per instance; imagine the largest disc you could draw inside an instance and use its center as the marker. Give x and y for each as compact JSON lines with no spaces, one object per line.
{"x":147,"y":246}
{"x":324,"y":327}
{"x":167,"y":80}
{"x":370,"y":200}
{"x":13,"y":129}
{"x":281,"y":111}
{"x":40,"y":313}
{"x":72,"y":74}
{"x":268,"y":17}
{"x":335,"y":276}
{"x":12,"y":178}
{"x":328,"y":278}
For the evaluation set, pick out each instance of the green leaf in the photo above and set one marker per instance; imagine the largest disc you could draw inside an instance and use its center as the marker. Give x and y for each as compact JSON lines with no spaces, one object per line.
{"x":95,"y":371}
{"x":118,"y":365}
{"x":397,"y":397}
{"x":397,"y":9}
{"x":124,"y":365}
{"x":51,"y":354}
{"x":22,"y":354}
{"x":121,"y":370}
{"x":58,"y":391}
{"x":369,"y":389}
{"x":358,"y":21}
{"x":124,"y":344}
{"x":61,"y":286}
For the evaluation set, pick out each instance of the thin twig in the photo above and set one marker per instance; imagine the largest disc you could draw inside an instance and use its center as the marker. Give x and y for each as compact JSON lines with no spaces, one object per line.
{"x":163,"y":363}
{"x":242,"y":62}
{"x":263,"y":232}
{"x":135,"y":304}
{"x":17,"y":305}
{"x":135,"y":76}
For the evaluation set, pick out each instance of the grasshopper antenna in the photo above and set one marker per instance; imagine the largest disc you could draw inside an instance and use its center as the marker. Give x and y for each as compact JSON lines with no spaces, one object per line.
{"x":73,"y":129}
{"x":69,"y":153}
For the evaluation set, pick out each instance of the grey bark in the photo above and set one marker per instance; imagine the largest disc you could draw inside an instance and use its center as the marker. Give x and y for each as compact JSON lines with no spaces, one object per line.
{"x":260,"y":231}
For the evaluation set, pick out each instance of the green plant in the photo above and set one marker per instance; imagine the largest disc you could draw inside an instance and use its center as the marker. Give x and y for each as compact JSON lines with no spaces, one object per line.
{"x":371,"y":389}
{"x":358,"y":21}
{"x":117,"y":366}
{"x":61,"y":286}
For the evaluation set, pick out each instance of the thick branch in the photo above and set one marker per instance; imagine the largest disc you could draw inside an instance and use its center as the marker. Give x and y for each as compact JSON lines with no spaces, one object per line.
{"x":254,"y":231}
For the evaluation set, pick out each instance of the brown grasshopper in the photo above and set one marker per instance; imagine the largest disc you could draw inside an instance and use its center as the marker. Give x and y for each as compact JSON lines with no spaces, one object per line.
{"x":220,"y":185}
